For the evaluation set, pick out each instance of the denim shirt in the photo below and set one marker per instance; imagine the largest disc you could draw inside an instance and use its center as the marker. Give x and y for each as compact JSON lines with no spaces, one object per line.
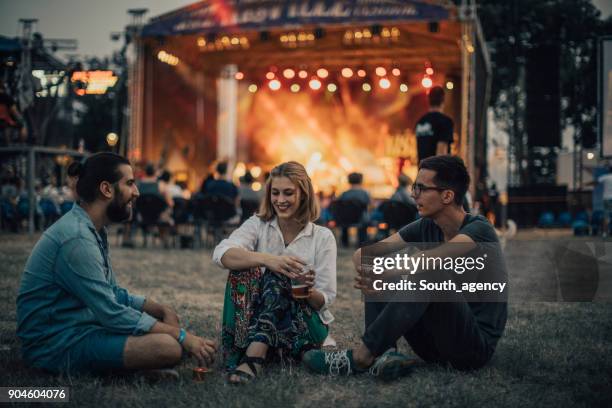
{"x":68,"y":290}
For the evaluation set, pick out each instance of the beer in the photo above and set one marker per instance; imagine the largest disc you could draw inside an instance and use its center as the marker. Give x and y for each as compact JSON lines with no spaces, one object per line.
{"x":299,"y":290}
{"x":199,"y":373}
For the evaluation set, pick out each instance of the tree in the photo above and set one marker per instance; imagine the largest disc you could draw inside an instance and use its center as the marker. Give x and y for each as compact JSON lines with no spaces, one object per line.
{"x":515,"y":28}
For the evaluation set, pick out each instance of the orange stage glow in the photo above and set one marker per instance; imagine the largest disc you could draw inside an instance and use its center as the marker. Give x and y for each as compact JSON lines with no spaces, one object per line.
{"x":353,"y":131}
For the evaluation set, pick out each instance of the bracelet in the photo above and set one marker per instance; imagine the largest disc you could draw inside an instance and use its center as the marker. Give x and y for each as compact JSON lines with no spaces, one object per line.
{"x":182,"y":335}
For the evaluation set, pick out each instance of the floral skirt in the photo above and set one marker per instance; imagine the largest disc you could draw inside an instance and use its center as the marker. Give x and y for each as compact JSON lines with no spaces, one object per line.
{"x":258,"y":307}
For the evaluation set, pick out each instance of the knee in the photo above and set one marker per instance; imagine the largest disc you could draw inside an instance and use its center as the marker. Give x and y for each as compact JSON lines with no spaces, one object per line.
{"x":168,"y":349}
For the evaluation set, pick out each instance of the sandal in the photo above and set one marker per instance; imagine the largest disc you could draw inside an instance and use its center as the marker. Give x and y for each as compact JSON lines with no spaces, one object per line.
{"x":243,"y":376}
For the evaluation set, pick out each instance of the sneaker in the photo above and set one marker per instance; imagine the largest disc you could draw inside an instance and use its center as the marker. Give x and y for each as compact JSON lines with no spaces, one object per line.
{"x":392,"y":365}
{"x":334,"y":363}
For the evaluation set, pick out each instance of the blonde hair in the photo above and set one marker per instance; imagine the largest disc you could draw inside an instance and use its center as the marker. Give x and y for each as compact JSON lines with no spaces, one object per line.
{"x":308,"y":209}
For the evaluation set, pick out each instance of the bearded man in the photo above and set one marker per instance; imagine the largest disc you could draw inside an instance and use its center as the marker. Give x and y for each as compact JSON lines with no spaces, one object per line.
{"x":71,"y":315}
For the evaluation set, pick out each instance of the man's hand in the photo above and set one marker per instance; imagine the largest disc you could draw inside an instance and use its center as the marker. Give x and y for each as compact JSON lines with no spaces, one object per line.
{"x":203,"y":350}
{"x":170,"y":317}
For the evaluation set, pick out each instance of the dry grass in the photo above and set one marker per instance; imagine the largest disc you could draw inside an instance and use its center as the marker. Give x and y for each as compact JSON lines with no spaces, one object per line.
{"x":551,"y":354}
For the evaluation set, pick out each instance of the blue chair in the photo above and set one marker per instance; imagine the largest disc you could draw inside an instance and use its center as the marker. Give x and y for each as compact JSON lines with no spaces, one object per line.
{"x":580,"y":228}
{"x":546,"y":220}
{"x":582,"y":216}
{"x":66,"y":206}
{"x":565,"y":219}
{"x":597,"y":222}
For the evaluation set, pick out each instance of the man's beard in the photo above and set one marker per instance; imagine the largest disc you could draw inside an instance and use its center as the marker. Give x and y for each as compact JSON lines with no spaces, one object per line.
{"x":118,"y":211}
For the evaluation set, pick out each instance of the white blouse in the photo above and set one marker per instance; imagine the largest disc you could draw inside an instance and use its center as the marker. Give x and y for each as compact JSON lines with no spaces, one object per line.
{"x":316,"y":245}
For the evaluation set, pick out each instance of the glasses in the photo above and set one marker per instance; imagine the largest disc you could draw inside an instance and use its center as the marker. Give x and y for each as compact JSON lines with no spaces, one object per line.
{"x":418,"y":188}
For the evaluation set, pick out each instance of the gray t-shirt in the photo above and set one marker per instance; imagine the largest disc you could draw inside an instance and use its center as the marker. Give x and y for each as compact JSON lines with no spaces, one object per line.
{"x":490,"y":316}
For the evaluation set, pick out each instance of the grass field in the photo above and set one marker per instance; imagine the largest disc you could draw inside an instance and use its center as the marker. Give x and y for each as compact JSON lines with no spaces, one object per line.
{"x":552,"y":354}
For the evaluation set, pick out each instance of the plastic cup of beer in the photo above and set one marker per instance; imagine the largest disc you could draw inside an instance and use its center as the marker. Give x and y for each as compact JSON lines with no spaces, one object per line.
{"x":300,"y":290}
{"x":200,"y":373}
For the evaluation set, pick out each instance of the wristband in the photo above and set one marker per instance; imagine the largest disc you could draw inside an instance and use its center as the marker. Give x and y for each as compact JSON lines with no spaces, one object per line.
{"x":182,"y":335}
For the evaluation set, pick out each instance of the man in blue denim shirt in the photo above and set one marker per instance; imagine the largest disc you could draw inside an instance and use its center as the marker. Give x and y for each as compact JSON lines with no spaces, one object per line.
{"x":72,"y":316}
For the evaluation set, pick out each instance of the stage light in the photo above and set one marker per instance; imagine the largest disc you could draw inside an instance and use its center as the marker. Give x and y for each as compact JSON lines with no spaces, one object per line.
{"x":366,"y":87}
{"x":426,"y":82}
{"x":403,"y":88}
{"x":380,"y":71}
{"x":244,"y":42}
{"x":274,"y":84}
{"x":315,"y":84}
{"x":395,"y":32}
{"x":429,"y":71}
{"x":225,"y":40}
{"x":385,"y":33}
{"x":289,"y":73}
{"x":256,"y":171}
{"x":252,"y":88}
{"x":235,"y":40}
{"x":310,"y":37}
{"x":112,"y":139}
{"x":291,"y":37}
{"x":396,"y":72}
{"x":303,"y":74}
{"x":358,"y":35}
{"x":450,"y":85}
{"x":384,"y":83}
{"x":256,"y":186}
{"x":367,"y":33}
{"x":332,"y":87}
{"x":302,"y":37}
{"x":201,"y":42}
{"x":590,"y":155}
{"x":347,"y":72}
{"x":270,"y":75}
{"x":361,"y":73}
{"x":322,"y":73}
{"x":284,"y":38}
{"x":239,"y":76}
{"x":295,"y":88}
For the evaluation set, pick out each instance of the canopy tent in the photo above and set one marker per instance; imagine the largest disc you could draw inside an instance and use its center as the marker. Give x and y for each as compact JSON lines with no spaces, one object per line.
{"x":192,"y":97}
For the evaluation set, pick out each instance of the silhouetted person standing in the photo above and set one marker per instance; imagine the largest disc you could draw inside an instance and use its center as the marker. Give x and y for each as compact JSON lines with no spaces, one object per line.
{"x":434,"y":131}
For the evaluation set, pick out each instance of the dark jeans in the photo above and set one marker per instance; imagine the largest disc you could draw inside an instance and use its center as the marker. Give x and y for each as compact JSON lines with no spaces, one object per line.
{"x":437,"y":332}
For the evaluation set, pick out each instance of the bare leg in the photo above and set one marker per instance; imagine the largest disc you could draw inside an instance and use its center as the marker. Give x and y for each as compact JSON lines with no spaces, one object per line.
{"x":155,"y":350}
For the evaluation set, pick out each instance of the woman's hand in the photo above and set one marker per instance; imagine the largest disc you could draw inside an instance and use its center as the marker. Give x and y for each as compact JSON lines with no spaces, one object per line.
{"x":201,"y":349}
{"x":308,"y":278}
{"x":290,"y":266}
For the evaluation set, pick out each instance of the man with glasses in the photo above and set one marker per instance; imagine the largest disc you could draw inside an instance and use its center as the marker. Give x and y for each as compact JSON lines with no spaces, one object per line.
{"x":458,"y":333}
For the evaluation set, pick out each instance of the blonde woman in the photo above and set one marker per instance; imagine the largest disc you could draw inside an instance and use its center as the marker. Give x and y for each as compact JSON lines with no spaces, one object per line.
{"x":273,"y":247}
